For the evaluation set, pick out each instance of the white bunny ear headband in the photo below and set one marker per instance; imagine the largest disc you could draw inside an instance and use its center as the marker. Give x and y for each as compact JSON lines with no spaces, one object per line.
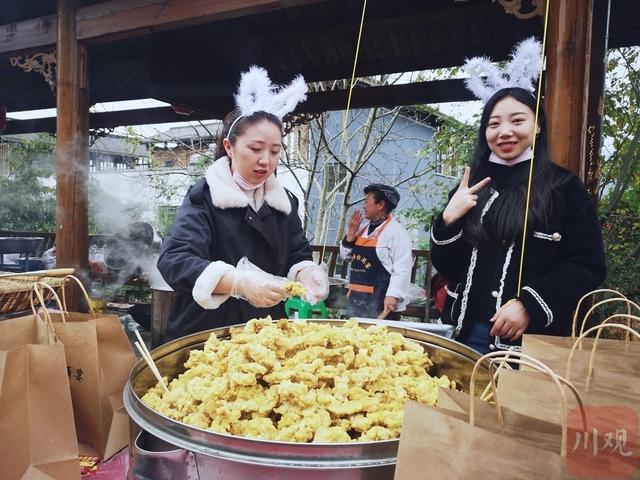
{"x":522,"y":71}
{"x":257,"y":94}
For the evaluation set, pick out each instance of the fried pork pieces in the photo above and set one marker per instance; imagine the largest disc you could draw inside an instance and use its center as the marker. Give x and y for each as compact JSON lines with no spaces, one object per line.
{"x":301,"y":382}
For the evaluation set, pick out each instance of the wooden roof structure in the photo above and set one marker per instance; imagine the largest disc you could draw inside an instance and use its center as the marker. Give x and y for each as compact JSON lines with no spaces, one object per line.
{"x":189,"y":53}
{"x":196,"y":62}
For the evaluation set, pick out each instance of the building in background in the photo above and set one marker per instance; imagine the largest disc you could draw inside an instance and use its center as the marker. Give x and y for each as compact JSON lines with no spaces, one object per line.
{"x":135,"y":179}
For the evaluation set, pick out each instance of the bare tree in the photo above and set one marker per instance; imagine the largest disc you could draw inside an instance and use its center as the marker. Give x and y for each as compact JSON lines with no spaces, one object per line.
{"x":365,"y":147}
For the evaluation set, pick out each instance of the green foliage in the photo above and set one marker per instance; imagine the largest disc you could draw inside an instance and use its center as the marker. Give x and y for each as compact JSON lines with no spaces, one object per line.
{"x":419,"y":219}
{"x":454,"y":141}
{"x":165,"y":219}
{"x":621,"y":233}
{"x":27,"y":202}
{"x":621,"y":126}
{"x":620,"y":176}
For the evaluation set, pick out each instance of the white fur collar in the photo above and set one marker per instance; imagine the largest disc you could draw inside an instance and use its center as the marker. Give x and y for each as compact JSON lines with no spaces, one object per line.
{"x":225,"y":193}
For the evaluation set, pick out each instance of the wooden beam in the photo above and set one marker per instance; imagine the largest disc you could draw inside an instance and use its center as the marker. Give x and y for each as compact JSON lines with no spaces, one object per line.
{"x":28,"y":34}
{"x":595,"y":99}
{"x":419,"y":93}
{"x":363,"y":97}
{"x":567,"y":80}
{"x":420,"y":14}
{"x":72,"y":146}
{"x":126,"y":18}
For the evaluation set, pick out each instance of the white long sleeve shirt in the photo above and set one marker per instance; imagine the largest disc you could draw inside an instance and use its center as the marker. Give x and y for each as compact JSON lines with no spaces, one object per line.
{"x":394,"y":251}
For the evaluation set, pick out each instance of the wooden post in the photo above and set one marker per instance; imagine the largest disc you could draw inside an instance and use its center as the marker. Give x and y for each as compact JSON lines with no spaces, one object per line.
{"x":567,"y":81}
{"x":595,"y":100}
{"x":72,"y":146}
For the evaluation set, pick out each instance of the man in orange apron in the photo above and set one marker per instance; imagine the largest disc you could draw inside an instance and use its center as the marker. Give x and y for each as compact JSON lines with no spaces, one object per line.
{"x":380,"y":255}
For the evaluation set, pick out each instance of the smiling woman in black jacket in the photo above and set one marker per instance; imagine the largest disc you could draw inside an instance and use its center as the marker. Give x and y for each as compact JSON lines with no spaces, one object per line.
{"x":476,"y":241}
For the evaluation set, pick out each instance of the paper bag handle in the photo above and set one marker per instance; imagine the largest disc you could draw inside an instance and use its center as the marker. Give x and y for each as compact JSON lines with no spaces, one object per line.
{"x":37,"y":290}
{"x":598,"y":328}
{"x":524,"y":359}
{"x":616,"y":293}
{"x":564,"y":381}
{"x":84,"y":291}
{"x":529,"y":364}
{"x":604,"y":302}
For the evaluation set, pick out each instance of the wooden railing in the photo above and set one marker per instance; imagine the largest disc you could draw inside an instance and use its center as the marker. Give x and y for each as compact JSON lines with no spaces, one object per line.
{"x":49,"y":239}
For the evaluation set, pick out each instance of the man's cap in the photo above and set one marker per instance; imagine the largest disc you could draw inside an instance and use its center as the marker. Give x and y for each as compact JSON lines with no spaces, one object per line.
{"x":391,"y":194}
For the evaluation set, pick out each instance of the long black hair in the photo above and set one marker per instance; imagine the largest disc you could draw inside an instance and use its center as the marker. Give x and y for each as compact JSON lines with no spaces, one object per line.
{"x":240,"y":127}
{"x":506,"y":217}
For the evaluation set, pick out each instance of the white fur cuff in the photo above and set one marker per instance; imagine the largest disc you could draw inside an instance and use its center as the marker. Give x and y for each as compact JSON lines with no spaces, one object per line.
{"x":295,"y":269}
{"x":206,"y":282}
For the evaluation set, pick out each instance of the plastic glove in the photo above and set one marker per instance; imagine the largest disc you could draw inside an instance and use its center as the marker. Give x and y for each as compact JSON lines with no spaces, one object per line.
{"x":259,"y":288}
{"x":315,"y":278}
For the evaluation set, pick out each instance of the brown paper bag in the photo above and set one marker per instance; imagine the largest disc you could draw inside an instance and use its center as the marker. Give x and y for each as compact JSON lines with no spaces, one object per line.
{"x":537,"y":398}
{"x":37,"y":432}
{"x":436,"y":443}
{"x":610,"y":413}
{"x":615,"y":355}
{"x":467,"y":444}
{"x":527,"y":391}
{"x":440,"y":443}
{"x":99,"y":361}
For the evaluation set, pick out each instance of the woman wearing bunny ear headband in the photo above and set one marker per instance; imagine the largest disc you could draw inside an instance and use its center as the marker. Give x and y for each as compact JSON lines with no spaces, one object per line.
{"x":238,"y":233}
{"x":477,"y":241}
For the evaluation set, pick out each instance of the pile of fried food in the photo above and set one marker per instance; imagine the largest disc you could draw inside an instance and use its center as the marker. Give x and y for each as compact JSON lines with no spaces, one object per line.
{"x":301,"y":382}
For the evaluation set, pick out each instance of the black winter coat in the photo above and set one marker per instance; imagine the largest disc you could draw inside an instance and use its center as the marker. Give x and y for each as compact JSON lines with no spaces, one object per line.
{"x":563,"y":261}
{"x":202,"y":233}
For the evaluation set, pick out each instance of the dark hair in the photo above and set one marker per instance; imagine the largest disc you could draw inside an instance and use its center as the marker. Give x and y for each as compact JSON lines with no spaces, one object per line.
{"x":506,"y":218}
{"x":240,"y":127}
{"x":380,"y":197}
{"x":384,"y":193}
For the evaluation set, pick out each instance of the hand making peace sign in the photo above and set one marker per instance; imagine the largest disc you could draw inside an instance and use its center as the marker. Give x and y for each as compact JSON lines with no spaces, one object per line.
{"x":464,"y":199}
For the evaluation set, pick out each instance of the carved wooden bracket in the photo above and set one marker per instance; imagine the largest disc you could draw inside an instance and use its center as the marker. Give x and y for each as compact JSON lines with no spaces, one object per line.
{"x":293,"y":120}
{"x":514,"y":7}
{"x":43,"y":63}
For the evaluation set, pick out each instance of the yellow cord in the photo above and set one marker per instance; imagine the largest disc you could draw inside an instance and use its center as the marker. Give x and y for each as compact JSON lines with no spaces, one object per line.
{"x":353,"y":72}
{"x":533,"y":148}
{"x":346,"y":114}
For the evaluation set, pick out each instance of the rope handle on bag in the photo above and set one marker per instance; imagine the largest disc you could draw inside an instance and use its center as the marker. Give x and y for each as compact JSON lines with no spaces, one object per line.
{"x":487,"y":394}
{"x":616,"y":293}
{"x":84,"y":291}
{"x":609,"y":300}
{"x":37,"y":291}
{"x":529,"y":364}
{"x":598,"y":328}
{"x":524,"y":359}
